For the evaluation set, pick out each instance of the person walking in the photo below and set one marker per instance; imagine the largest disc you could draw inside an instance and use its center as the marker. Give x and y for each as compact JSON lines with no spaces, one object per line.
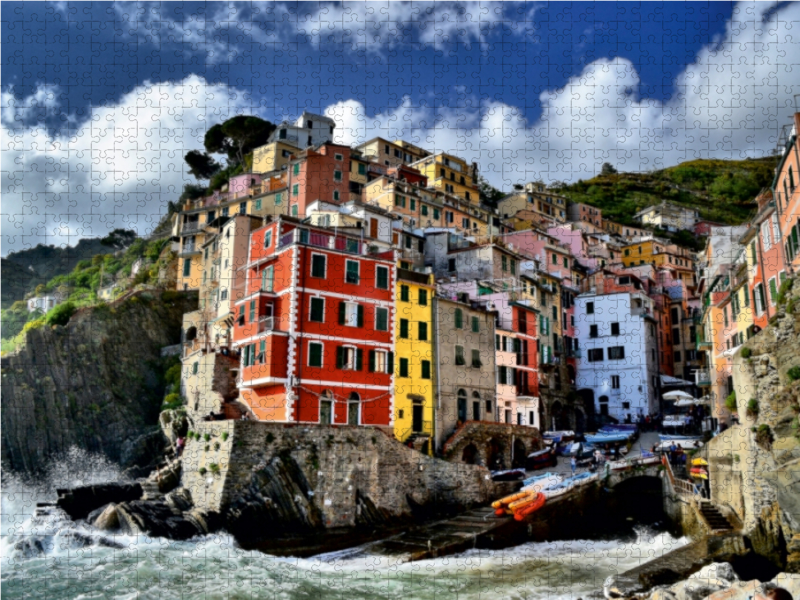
{"x":574,"y":464}
{"x":179,"y":445}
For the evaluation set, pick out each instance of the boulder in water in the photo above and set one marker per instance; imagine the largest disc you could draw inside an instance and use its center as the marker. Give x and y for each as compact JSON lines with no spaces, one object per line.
{"x":108,"y":519}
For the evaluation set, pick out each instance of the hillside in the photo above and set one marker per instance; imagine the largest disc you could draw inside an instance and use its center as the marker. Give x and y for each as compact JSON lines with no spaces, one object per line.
{"x":723,"y":190}
{"x":22,"y":271}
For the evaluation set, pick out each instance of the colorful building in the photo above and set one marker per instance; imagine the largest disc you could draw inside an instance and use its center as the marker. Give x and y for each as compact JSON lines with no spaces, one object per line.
{"x":315,"y":329}
{"x":451,"y":175}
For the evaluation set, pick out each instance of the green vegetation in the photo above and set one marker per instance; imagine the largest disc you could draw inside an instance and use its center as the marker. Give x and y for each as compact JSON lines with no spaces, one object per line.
{"x":214,"y":468}
{"x":723,"y":190}
{"x":752,"y":408}
{"x":730,"y":402}
{"x":794,"y":373}
{"x":206,"y":437}
{"x":60,"y":314}
{"x":786,"y":287}
{"x":202,"y":470}
{"x":746,"y":352}
{"x":224,"y":436}
{"x":172,"y":401}
{"x":764,"y":437}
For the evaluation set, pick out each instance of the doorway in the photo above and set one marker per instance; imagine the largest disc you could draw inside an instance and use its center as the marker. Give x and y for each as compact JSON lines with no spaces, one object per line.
{"x":353,"y":409}
{"x":416,"y":417}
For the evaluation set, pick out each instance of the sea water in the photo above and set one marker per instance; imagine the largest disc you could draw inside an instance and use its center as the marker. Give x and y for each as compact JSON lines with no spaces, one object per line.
{"x":213,"y":566}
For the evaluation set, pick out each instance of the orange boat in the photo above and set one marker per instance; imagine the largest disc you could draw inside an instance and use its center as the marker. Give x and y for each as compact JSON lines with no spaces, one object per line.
{"x":509,"y":499}
{"x":531,"y":508}
{"x":523,"y":502}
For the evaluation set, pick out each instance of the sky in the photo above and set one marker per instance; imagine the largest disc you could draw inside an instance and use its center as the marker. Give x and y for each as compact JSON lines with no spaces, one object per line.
{"x":100,"y":101}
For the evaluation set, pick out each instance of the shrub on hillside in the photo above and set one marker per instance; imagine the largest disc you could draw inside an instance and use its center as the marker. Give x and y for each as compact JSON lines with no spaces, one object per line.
{"x":730,"y":402}
{"x":794,"y":373}
{"x":60,"y":314}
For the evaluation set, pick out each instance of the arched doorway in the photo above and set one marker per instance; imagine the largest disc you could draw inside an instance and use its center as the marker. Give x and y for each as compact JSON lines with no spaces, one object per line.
{"x":580,"y":421}
{"x":520,"y":455}
{"x":326,"y":408}
{"x":462,"y":406}
{"x":494,"y":455}
{"x":476,"y":407}
{"x":354,"y":409}
{"x":470,"y":455}
{"x":191,"y":334}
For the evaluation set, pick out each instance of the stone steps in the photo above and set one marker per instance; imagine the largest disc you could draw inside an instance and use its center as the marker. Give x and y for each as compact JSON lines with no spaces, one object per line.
{"x":715,"y":519}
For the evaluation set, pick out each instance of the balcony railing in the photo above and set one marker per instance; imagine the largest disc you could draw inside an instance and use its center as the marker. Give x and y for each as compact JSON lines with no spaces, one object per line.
{"x":267,"y":324}
{"x":322,"y":240}
{"x":702,"y":377}
{"x":191,"y":226}
{"x":413,"y":276}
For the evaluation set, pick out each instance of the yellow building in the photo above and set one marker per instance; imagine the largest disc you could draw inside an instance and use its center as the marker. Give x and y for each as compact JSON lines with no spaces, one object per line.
{"x":660,"y":254}
{"x":414,"y":364}
{"x":452,"y":175}
{"x":537,"y":202}
{"x":391,"y":154}
{"x":273,"y":157}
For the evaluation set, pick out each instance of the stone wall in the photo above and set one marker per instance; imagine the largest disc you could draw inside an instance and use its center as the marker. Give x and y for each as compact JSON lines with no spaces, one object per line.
{"x":755,"y":467}
{"x":492,"y":442}
{"x":288,"y":478}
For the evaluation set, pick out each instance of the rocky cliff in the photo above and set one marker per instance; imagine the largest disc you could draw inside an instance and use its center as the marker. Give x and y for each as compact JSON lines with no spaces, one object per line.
{"x":755,"y":467}
{"x":96,"y":383}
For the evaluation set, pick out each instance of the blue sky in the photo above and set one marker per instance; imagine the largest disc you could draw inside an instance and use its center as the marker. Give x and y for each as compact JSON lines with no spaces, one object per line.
{"x":101,"y":100}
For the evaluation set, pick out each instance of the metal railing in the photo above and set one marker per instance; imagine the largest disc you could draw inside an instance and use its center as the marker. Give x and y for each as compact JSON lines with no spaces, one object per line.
{"x":681,"y":486}
{"x":702,"y":377}
{"x":191,"y":226}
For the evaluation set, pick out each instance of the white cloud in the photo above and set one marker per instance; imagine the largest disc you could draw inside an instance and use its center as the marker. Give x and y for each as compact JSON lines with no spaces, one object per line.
{"x":729,"y":104}
{"x":116,"y":169}
{"x":43,"y":102}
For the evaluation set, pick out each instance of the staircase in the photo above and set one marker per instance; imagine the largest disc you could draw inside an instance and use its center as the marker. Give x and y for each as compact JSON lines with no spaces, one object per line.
{"x":717,"y":522}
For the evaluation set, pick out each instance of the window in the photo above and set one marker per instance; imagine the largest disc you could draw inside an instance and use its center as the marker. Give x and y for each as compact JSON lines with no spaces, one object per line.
{"x":318,"y":265}
{"x":314,"y":354}
{"x":258,"y":204}
{"x":615,"y":382}
{"x":460,"y":355}
{"x":404,"y":329}
{"x":413,"y":205}
{"x":592,"y":331}
{"x":615,"y":329}
{"x":616,"y":353}
{"x":296,"y":189}
{"x":351,"y":314}
{"x":451,"y":264}
{"x":435,"y":213}
{"x":295,"y":210}
{"x":362,"y":169}
{"x":252,"y":310}
{"x":426,"y":369}
{"x":268,"y":279}
{"x":337,"y":175}
{"x":566,"y":262}
{"x":296,"y":169}
{"x":278,"y":199}
{"x":187,"y":267}
{"x":459,"y":318}
{"x":590,"y":308}
{"x":382,"y":278}
{"x":423,"y":297}
{"x":349,"y":358}
{"x":336,"y":195}
{"x":773,"y":290}
{"x":382,"y":319}
{"x":676,"y":356}
{"x":676,"y":336}
{"x":242,"y":208}
{"x":476,"y":359}
{"x":423,"y":331}
{"x":504,"y":263}
{"x":403,"y":367}
{"x":595,"y":355}
{"x":317,"y":310}
{"x":424,"y":210}
{"x":268,"y":239}
{"x":380,"y":361}
{"x":476,"y":325}
{"x":351,"y":275}
{"x":404,"y":293}
{"x":555,"y":259}
{"x":195,"y":367}
{"x":338,"y":157}
{"x":225,"y":211}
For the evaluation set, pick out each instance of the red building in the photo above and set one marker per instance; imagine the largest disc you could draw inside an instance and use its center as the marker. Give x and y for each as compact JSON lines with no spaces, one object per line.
{"x":315,"y":328}
{"x":786,"y":188}
{"x":319,"y":174}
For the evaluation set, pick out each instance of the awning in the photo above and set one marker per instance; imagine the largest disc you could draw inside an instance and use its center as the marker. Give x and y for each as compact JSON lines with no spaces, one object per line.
{"x":669,"y":381}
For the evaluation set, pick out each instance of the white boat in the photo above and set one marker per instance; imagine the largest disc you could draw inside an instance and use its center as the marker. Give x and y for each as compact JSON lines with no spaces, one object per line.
{"x":540,"y":482}
{"x":569,"y":484}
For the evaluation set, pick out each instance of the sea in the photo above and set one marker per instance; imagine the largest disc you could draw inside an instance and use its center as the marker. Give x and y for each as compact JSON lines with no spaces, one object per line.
{"x":213,"y":566}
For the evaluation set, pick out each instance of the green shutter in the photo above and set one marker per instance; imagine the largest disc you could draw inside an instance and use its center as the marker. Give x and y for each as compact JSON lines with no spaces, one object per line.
{"x":339,"y":357}
{"x":423,"y":297}
{"x":359,"y":359}
{"x":372,"y":361}
{"x":318,"y":266}
{"x":187,"y":267}
{"x":426,"y":369}
{"x":423,"y":331}
{"x":383,"y":278}
{"x":404,"y":293}
{"x":342,"y":311}
{"x":390,"y":363}
{"x":773,"y":290}
{"x":403,"y":367}
{"x":315,"y":357}
{"x":382,"y":319}
{"x":317,"y":309}
{"x":296,"y":168}
{"x":459,"y":319}
{"x":476,"y":325}
{"x":404,"y":328}
{"x":360,"y":316}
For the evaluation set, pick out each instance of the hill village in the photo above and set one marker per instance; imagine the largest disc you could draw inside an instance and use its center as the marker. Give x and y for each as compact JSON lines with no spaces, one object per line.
{"x":372,"y":286}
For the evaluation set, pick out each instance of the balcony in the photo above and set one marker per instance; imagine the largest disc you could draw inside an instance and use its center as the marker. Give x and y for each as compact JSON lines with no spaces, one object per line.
{"x":413,"y":276}
{"x":574,"y":353}
{"x":322,"y":240}
{"x":704,"y":345}
{"x":267,"y":324}
{"x":640,"y":312}
{"x":702,"y":377}
{"x":188,"y":250}
{"x":191,"y":227}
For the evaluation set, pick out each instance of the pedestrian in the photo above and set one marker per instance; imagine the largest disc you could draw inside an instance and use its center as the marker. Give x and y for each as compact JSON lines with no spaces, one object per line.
{"x":179,"y":446}
{"x":574,"y":464}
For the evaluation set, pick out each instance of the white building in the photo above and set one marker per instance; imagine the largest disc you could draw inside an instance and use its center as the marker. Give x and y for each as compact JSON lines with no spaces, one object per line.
{"x":618,"y":354}
{"x":308,"y":130}
{"x":42,"y":303}
{"x":666,"y":215}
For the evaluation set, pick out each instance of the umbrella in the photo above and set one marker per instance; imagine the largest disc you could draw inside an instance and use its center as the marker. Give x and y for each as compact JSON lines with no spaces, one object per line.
{"x":678,"y":395}
{"x":684,"y":402}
